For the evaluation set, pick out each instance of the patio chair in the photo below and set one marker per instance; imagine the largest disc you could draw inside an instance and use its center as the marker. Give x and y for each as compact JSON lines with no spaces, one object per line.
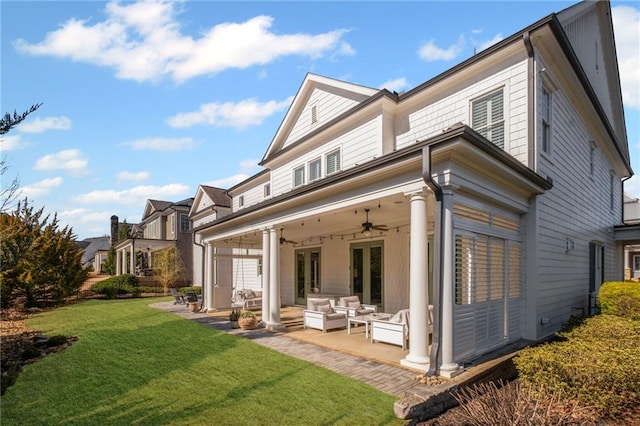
{"x":352,"y":307}
{"x":395,"y":330}
{"x":322,"y":316}
{"x":191,"y":296}
{"x":179,"y":297}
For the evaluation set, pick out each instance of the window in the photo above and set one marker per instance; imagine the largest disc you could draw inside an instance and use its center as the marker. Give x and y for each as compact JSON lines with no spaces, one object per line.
{"x":315,"y":169}
{"x":592,"y":158}
{"x":267,"y":190}
{"x":184,"y":223}
{"x":612,"y":178}
{"x":172,"y":220}
{"x":333,"y":162}
{"x":545,"y":114}
{"x":241,"y":201}
{"x":298,"y":176}
{"x":636,"y":263}
{"x":487,"y":117}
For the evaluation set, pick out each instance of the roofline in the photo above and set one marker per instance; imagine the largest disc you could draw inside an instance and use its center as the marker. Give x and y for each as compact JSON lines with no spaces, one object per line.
{"x":460,"y":130}
{"x":247,"y":180}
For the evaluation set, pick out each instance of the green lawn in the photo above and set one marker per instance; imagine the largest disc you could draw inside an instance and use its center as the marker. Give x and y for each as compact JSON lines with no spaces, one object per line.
{"x":133,"y":364}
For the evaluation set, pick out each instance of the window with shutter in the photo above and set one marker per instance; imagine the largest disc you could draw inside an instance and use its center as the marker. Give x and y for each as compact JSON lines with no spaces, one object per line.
{"x":333,"y":162}
{"x":487,"y":117}
{"x":298,"y":176}
{"x":315,"y":170}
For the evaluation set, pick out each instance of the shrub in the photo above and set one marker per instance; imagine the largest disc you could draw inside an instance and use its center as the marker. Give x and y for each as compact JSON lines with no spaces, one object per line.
{"x":621,"y":299}
{"x":198,"y":290}
{"x":597,"y":366}
{"x":118,"y":285}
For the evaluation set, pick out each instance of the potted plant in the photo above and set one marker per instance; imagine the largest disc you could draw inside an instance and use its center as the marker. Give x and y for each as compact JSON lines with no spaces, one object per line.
{"x":247,"y":320}
{"x":233,"y":317}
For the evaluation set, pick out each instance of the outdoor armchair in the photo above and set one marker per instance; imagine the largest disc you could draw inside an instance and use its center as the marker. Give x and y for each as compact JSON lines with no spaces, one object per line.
{"x":322,"y":316}
{"x":352,"y":307}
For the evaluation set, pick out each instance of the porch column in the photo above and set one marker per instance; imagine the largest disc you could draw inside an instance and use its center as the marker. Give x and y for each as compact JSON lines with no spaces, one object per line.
{"x":125,"y":265}
{"x":266,"y":270}
{"x":209,"y":276}
{"x":118,"y":264}
{"x":448,"y":368}
{"x":274,"y":280}
{"x":132,"y":263}
{"x":418,"y":356}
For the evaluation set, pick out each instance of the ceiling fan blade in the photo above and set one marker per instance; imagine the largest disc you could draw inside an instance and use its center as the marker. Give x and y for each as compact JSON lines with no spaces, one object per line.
{"x":380,"y":227}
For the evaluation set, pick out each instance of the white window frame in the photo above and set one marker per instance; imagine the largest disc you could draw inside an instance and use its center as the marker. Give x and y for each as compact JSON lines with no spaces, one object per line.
{"x":241,"y":201}
{"x":172,"y":219}
{"x":267,"y":190}
{"x":328,"y":163}
{"x":315,"y":164}
{"x":300,"y":170}
{"x":546,"y":105}
{"x":487,"y":128}
{"x":636,"y":263}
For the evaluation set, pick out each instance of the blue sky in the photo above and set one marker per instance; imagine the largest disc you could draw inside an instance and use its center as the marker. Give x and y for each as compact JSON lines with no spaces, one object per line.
{"x":149,"y":100}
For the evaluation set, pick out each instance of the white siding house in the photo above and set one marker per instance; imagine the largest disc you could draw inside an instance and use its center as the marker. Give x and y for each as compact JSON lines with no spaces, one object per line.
{"x":491,"y":192}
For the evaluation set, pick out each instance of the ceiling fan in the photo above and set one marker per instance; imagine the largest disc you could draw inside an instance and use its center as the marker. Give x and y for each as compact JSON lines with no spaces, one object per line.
{"x":368,"y":226}
{"x":283,"y":240}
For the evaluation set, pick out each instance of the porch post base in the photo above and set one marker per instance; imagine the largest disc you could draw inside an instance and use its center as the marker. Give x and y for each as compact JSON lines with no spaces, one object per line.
{"x":275,"y":326}
{"x":450,"y":370}
{"x":211,"y":310}
{"x":417,"y":363}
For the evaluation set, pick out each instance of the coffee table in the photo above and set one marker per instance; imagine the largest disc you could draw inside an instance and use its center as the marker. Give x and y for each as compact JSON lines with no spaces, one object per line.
{"x":366,"y":320}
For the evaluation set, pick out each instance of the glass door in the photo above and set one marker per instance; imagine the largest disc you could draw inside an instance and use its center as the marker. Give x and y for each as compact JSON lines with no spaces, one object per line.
{"x":307,"y":273}
{"x":367,"y":260}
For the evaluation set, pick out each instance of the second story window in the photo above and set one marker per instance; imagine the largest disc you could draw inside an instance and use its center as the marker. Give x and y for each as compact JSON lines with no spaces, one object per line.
{"x":298,"y":176}
{"x":545,"y":114}
{"x":487,"y":117}
{"x":267,"y":190}
{"x":241,"y":201}
{"x":333,"y":162}
{"x":184,"y":223}
{"x":315,"y":169}
{"x":592,"y":158}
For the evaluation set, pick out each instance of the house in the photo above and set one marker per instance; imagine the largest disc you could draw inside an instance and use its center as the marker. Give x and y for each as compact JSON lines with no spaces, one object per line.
{"x":164,"y":224}
{"x":631,"y":224}
{"x":490,"y":191}
{"x":95,"y":251}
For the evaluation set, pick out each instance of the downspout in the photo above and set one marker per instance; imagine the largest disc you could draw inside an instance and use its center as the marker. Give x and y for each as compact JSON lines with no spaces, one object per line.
{"x":437,"y":260}
{"x":531,"y":89}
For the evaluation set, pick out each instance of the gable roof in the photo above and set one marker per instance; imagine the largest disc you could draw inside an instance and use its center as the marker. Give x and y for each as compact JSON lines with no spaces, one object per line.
{"x":91,"y":246}
{"x":353,"y":92}
{"x":209,"y":196}
{"x":155,"y":206}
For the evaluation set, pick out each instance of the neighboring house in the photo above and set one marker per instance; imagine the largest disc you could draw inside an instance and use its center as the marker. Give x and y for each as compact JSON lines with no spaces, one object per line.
{"x":164,"y":224}
{"x":95,"y":252}
{"x":632,"y":251}
{"x":490,"y":191}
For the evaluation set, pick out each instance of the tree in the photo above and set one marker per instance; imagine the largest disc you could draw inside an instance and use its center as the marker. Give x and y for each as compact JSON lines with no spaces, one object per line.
{"x":41,"y":263}
{"x":10,"y":193}
{"x":168,"y":267}
{"x":109,"y":264}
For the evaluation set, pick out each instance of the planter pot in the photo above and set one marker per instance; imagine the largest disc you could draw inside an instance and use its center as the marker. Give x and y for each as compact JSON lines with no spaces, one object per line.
{"x":193,"y":307}
{"x":247,"y":323}
{"x":234,"y":324}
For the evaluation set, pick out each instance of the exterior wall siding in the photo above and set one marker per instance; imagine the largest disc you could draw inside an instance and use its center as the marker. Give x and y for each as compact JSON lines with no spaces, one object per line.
{"x":441,"y":114}
{"x":578,"y":207}
{"x":329,"y":106}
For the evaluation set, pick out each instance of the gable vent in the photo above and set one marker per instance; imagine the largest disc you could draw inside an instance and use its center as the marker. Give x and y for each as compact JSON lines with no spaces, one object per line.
{"x":314,"y":114}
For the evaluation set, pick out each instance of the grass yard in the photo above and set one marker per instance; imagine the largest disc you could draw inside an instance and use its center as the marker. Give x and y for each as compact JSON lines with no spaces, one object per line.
{"x":133,"y":364}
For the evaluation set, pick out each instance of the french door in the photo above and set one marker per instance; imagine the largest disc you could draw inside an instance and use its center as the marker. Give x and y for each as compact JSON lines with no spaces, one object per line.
{"x":367,"y":261}
{"x":307,"y":273}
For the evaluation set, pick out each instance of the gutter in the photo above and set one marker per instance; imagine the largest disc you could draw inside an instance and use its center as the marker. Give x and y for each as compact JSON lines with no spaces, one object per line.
{"x":204,"y":287}
{"x":437,"y":260}
{"x":531,"y":96}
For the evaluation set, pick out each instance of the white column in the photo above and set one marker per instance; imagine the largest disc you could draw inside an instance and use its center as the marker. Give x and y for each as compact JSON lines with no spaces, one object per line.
{"x":418,"y":356}
{"x":274,"y":280}
{"x":118,"y":264}
{"x":125,"y":265}
{"x":209,"y":266}
{"x":448,"y":368}
{"x":132,"y":261}
{"x":266,"y":271}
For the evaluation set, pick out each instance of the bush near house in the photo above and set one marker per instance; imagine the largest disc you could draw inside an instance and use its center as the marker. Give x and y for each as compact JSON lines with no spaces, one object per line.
{"x":621,"y":299}
{"x":595,"y":364}
{"x":197,"y":290}
{"x":118,"y":285}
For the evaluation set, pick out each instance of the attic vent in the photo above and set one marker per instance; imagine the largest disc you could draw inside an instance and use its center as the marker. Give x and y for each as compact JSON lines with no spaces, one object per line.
{"x":314,"y":114}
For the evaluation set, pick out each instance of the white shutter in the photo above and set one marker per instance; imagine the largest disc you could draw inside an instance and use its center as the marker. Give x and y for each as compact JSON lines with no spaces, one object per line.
{"x":333,"y":162}
{"x":315,"y":170}
{"x":298,"y":176}
{"x":487,"y":117}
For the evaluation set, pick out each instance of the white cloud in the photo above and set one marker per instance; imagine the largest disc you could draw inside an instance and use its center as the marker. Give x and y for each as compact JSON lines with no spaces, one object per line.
{"x":248,"y":112}
{"x":133,"y":176}
{"x":632,"y":186}
{"x":40,"y":188}
{"x":397,"y":85}
{"x":134,"y":196}
{"x":11,"y":143}
{"x":39,"y":125}
{"x":250,"y":165}
{"x":228,"y":182}
{"x":82,"y":215}
{"x":430,"y":52}
{"x":626,"y":21}
{"x":162,"y":144}
{"x":70,"y":160}
{"x":488,"y":43}
{"x":143,"y":41}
